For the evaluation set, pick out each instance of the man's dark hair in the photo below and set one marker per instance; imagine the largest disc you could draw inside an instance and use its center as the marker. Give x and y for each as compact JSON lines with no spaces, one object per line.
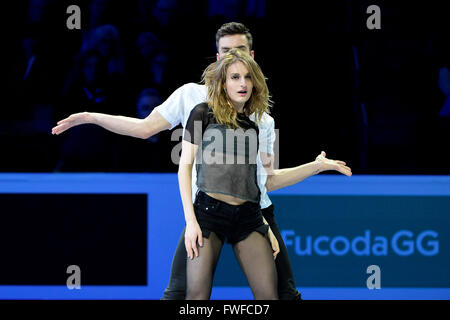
{"x":232,"y":28}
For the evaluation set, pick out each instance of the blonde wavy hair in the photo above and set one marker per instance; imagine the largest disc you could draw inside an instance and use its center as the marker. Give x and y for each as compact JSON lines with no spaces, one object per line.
{"x":215,"y":77}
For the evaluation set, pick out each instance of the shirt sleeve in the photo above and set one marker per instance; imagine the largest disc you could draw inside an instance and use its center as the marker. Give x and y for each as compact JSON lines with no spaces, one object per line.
{"x":179,"y":104}
{"x":267,"y":135}
{"x":195,"y":124}
{"x":172,"y":108}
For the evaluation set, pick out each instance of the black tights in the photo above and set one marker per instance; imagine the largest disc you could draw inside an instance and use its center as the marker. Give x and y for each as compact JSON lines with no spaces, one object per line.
{"x":254,"y":255}
{"x":176,"y":289}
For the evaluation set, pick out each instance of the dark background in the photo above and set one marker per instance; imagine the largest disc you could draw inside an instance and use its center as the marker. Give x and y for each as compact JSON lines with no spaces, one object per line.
{"x":105,"y":235}
{"x":368,"y":97}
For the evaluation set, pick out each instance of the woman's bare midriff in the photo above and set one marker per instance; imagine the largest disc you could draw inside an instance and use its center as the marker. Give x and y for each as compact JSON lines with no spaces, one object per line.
{"x":226,"y":198}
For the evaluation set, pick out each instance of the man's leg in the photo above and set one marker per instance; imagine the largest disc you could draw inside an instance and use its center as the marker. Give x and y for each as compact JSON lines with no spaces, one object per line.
{"x":176,"y":290}
{"x":286,"y":284}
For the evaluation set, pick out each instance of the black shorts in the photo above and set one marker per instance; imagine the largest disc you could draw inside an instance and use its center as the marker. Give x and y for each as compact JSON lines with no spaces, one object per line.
{"x":231,"y":223}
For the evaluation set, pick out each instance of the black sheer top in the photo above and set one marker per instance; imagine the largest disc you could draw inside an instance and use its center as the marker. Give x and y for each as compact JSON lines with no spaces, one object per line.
{"x":226,"y":157}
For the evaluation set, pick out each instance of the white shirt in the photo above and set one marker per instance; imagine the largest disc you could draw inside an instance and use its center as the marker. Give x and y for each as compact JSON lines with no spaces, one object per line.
{"x":177,"y":108}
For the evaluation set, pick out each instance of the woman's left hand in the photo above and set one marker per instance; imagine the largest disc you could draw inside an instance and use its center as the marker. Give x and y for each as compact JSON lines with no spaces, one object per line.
{"x":274,"y":244}
{"x":328,"y":164}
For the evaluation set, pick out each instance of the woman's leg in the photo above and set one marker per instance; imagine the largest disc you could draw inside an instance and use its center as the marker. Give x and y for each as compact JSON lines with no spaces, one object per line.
{"x":176,"y":289}
{"x":200,"y":270}
{"x":254,"y":255}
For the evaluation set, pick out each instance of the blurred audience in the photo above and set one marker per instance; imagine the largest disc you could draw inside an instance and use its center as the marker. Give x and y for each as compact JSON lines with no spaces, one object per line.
{"x":97,"y":14}
{"x":149,"y":64}
{"x":149,"y":155}
{"x":157,"y":16}
{"x":444,"y":85}
{"x":143,"y":15}
{"x":235,"y":10}
{"x":147,"y":100}
{"x":38,"y":11}
{"x":106,"y":40}
{"x":33,"y":71}
{"x":165,"y":12}
{"x":126,"y":59}
{"x":432,"y":139}
{"x":90,"y":87}
{"x":444,"y":113}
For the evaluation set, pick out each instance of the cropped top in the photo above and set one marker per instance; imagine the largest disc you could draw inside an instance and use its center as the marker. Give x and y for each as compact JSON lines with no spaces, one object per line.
{"x":226,"y":157}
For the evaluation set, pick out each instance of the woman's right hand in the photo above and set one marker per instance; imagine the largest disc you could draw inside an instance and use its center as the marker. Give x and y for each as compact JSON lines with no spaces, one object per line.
{"x":192,"y":235}
{"x":72,"y":121}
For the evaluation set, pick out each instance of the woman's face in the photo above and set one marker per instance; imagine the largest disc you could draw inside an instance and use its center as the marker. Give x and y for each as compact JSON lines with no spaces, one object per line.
{"x":238,"y":85}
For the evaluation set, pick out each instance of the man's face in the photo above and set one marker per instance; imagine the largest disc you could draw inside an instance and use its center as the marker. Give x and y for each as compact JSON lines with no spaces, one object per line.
{"x":234,"y":41}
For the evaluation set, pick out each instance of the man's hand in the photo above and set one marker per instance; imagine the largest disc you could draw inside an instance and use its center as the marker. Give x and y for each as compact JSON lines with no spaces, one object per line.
{"x":328,"y":164}
{"x":71,"y":121}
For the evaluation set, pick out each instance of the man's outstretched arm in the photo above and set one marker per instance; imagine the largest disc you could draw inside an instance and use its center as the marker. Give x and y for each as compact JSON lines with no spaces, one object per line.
{"x":165,"y":116}
{"x":280,"y":178}
{"x":134,"y":127}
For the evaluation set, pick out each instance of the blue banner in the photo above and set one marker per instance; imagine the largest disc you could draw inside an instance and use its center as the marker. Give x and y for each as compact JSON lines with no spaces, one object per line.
{"x":343,"y":235}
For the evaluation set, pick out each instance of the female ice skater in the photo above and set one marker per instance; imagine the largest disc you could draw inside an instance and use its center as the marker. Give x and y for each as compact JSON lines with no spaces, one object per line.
{"x":224,"y":142}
